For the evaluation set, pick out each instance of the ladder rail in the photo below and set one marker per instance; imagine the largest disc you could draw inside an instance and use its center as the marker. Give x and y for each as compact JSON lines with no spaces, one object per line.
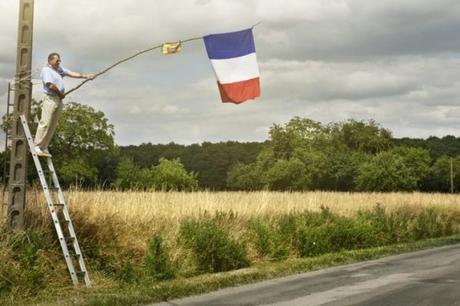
{"x":70,"y":227}
{"x":49,"y":199}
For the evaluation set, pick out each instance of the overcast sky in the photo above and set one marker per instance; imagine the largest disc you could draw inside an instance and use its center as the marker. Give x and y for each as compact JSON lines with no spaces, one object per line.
{"x":329,"y":60}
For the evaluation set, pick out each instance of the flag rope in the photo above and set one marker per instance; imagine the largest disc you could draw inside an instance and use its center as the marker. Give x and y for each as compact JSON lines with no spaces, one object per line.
{"x":131,"y":57}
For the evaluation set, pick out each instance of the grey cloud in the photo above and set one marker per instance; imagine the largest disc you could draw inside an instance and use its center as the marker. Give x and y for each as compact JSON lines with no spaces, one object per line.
{"x":394,"y":61}
{"x":370,"y":28}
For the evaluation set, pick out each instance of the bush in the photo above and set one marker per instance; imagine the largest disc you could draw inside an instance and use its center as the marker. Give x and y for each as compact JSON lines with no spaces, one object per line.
{"x":212,"y":247}
{"x":401,"y":169}
{"x":292,"y":226}
{"x":127,"y":273}
{"x":336,"y":235}
{"x":167,"y":175}
{"x":267,"y":240}
{"x":23,"y":266}
{"x":157,"y":261}
{"x":403,"y":225}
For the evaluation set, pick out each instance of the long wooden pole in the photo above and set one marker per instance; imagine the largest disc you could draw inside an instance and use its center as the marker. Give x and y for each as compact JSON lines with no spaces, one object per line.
{"x":22,"y":97}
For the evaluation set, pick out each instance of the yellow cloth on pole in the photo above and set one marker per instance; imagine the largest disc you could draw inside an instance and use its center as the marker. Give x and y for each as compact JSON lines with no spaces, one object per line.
{"x":171,"y":48}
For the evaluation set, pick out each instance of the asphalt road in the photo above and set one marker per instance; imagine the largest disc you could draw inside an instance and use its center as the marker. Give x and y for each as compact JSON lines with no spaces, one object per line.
{"x":428,"y":277}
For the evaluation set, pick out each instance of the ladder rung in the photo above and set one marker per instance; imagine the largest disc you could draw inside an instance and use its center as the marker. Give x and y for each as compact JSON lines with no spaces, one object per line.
{"x":59,"y":204}
{"x":80,"y":272}
{"x":55,"y":189}
{"x":16,"y":137}
{"x":69,"y":245}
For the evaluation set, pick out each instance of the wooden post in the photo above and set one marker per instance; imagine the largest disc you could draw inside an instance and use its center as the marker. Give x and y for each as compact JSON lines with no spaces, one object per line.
{"x":22,"y":97}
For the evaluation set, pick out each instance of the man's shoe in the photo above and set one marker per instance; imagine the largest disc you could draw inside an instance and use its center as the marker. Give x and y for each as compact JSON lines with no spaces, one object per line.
{"x":41,"y":152}
{"x":47,"y":152}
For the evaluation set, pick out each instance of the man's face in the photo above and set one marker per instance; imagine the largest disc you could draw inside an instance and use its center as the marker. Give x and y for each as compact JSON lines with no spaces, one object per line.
{"x":55,"y":61}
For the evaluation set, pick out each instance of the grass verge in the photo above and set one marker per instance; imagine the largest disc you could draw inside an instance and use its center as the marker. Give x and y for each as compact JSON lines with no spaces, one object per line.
{"x":159,"y":291}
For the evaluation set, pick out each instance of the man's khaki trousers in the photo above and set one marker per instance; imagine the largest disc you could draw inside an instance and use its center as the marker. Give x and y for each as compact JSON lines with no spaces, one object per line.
{"x":51,"y":109}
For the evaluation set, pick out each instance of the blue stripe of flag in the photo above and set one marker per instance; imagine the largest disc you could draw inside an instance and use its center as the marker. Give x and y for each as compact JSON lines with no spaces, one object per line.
{"x":229,"y":45}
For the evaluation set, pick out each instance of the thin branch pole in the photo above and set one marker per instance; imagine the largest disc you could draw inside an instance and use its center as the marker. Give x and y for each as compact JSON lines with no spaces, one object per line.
{"x":131,"y":57}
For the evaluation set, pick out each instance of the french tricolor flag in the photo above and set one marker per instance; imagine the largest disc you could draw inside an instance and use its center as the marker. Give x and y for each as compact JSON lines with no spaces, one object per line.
{"x":233,"y":58}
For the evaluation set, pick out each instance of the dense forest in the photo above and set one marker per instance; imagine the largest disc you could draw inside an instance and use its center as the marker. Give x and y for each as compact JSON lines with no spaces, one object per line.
{"x":346,"y":156}
{"x":302,"y":154}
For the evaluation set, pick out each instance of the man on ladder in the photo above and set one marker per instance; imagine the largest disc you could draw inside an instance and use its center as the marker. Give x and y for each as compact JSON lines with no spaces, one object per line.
{"x":53,"y":87}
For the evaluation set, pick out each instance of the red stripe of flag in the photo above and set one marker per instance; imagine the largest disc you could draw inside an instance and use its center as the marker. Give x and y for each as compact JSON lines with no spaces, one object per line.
{"x":239,"y":92}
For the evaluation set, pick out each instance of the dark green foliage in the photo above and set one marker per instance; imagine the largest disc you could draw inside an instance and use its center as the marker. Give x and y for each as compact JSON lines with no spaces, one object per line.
{"x":439,"y":178}
{"x":128,"y":175}
{"x":126,"y":273}
{"x":403,"y":225}
{"x":157,"y":262}
{"x":367,"y":137}
{"x":84,"y":143}
{"x":301,"y":155}
{"x":400,"y":169}
{"x":308,"y":155}
{"x":244,"y":177}
{"x":210,"y":161}
{"x":212,"y":247}
{"x":448,"y":145}
{"x":339,"y":234}
{"x":267,"y":240}
{"x":22,"y":264}
{"x":167,"y":175}
{"x":313,"y":233}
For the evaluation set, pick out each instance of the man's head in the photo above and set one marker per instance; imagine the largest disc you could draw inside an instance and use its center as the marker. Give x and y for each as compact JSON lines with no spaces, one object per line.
{"x":54,"y":59}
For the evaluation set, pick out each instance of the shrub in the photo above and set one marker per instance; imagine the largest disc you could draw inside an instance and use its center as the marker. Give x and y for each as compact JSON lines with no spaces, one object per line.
{"x":403,"y":225}
{"x":23,"y":268}
{"x":292,"y":226}
{"x":267,"y":240}
{"x":336,"y":235}
{"x":157,"y":261}
{"x":431,"y":223}
{"x":126,"y":273}
{"x":211,"y":246}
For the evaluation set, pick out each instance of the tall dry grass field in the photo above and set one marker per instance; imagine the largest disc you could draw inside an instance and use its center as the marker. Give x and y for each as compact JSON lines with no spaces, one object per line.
{"x":132,"y":216}
{"x":133,"y":237}
{"x":136,"y":206}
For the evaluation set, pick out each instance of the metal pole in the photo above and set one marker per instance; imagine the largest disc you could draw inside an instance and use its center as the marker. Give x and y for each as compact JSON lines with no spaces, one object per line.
{"x":451,"y":176}
{"x":22,"y":97}
{"x":5,"y":150}
{"x":6,"y":136}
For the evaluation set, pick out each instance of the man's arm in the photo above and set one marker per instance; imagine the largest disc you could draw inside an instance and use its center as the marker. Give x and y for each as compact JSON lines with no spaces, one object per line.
{"x":78,"y":75}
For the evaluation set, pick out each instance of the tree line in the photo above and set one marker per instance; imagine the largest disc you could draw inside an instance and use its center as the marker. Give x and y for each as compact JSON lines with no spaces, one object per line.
{"x":300,"y":155}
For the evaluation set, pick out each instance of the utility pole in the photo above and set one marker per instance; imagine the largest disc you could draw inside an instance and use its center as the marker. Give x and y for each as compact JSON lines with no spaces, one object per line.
{"x":451,"y":176}
{"x":22,"y":97}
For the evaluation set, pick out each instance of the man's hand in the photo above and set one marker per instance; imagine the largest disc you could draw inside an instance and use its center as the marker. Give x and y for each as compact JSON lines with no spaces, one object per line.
{"x":56,"y":90}
{"x":89,"y":76}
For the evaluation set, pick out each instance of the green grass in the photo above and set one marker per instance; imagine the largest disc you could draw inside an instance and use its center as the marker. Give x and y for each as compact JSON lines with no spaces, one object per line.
{"x":166,"y":290}
{"x":209,"y":252}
